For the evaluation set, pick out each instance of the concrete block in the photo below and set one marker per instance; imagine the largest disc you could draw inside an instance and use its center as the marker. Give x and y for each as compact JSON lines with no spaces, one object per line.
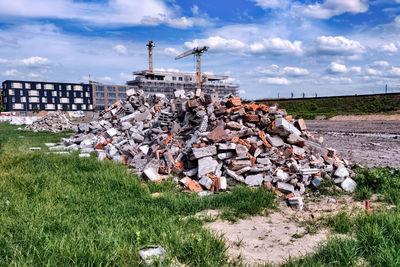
{"x":204,"y":151}
{"x":206,"y":165}
{"x":153,"y":253}
{"x":274,"y":140}
{"x":254,"y":180}
{"x":341,"y":172}
{"x":241,"y":150}
{"x":285,"y":187}
{"x":284,"y":128}
{"x":348,"y":185}
{"x":206,"y":182}
{"x":152,"y":174}
{"x":296,"y":203}
{"x":111,"y":132}
{"x":84,"y":155}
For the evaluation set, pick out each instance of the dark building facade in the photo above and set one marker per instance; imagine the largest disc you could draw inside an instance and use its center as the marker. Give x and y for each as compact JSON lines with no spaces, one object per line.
{"x":25,"y":97}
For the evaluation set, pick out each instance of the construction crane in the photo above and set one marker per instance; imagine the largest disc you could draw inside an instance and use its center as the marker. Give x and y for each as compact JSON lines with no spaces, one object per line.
{"x":150,"y":45}
{"x":197,"y":53}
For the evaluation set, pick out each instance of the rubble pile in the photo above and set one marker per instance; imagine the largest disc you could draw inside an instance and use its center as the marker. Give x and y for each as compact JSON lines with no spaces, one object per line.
{"x":213,"y":143}
{"x":52,"y":122}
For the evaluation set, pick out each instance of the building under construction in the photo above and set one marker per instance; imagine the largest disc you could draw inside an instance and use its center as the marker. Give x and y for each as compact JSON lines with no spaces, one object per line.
{"x":165,"y":82}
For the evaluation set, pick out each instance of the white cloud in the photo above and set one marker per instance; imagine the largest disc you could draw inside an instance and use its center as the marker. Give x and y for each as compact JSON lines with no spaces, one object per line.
{"x":336,"y":68}
{"x":2,"y":60}
{"x":373,"y":72}
{"x":293,"y":71}
{"x":120,"y":49}
{"x":331,"y":8}
{"x":391,"y":48}
{"x":338,"y":45}
{"x":34,"y":75}
{"x":381,"y":64}
{"x":112,"y":12}
{"x":277,"y":81}
{"x":107,"y":79}
{"x":277,"y":46}
{"x":126,"y":76}
{"x":217,"y":43}
{"x":242,"y":92}
{"x":12,"y":72}
{"x":170,"y":51}
{"x":355,"y":69}
{"x":195,"y":10}
{"x":394,"y":72}
{"x":271,"y":4}
{"x":337,"y":80}
{"x":35,"y":61}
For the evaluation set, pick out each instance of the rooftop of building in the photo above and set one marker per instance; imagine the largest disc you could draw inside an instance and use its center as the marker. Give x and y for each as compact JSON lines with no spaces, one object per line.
{"x":178,"y":73}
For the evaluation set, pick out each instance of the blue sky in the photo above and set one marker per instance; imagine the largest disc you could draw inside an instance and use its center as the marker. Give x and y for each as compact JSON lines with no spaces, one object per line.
{"x":268,"y":47}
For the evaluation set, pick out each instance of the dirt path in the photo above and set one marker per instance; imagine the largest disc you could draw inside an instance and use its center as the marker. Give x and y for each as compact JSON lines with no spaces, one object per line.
{"x":370,"y":143}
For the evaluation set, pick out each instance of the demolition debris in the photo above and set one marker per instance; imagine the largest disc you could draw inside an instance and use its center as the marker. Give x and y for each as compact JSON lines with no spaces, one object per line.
{"x":53,"y":122}
{"x":213,"y":143}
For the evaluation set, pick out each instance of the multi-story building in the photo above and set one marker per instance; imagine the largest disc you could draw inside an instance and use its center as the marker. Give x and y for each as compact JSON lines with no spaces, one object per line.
{"x":27,"y":97}
{"x":105,"y":95}
{"x":164,"y":82}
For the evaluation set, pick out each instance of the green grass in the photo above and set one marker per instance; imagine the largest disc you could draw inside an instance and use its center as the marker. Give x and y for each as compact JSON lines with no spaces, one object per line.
{"x":59,"y":210}
{"x":309,"y":108}
{"x":372,"y":239}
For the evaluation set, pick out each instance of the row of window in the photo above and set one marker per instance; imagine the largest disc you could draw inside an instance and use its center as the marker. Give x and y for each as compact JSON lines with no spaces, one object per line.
{"x":20,"y":106}
{"x":181,"y":78}
{"x":34,"y":99}
{"x":110,"y":89}
{"x":102,"y":101}
{"x":113,"y":95}
{"x":46,"y":86}
{"x":53,"y":93}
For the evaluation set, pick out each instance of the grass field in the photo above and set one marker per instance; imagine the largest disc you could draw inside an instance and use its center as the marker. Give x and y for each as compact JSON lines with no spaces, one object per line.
{"x":64,"y":210}
{"x":308,"y":108}
{"x":58,"y":210}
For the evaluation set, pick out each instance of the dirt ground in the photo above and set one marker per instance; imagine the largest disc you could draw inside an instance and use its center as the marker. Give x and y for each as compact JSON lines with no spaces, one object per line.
{"x":367,"y":142}
{"x":285,"y":233}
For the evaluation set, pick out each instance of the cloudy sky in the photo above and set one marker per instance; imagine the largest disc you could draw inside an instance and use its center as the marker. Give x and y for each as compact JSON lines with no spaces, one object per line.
{"x":268,"y":47}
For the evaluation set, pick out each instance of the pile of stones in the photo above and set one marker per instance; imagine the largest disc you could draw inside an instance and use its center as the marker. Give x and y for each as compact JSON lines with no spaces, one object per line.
{"x":213,"y":144}
{"x":52,"y":122}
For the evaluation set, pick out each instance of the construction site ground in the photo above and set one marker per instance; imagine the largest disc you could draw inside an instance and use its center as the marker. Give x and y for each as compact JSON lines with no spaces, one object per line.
{"x":370,"y":143}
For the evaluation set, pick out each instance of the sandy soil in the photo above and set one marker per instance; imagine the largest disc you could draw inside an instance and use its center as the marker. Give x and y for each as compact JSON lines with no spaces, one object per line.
{"x":285,"y":233}
{"x":369,"y":143}
{"x":372,"y":117}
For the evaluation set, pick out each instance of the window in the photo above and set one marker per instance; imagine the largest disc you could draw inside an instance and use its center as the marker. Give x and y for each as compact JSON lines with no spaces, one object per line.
{"x":90,"y":107}
{"x":74,"y":94}
{"x":44,"y":100}
{"x":180,"y":79}
{"x":123,"y":95}
{"x":64,"y":100}
{"x":100,"y":101}
{"x":113,"y":95}
{"x":67,"y":94}
{"x":16,"y":85}
{"x":78,"y":100}
{"x":27,"y":86}
{"x":33,"y":93}
{"x":99,"y":94}
{"x":78,"y":87}
{"x":34,"y":99}
{"x":68,"y":87}
{"x":30,"y":106}
{"x":54,"y":93}
{"x":59,"y":107}
{"x":18,"y":106}
{"x":50,"y":106}
{"x":45,"y":93}
{"x":13,"y":99}
{"x":48,"y":86}
{"x":59,"y":94}
{"x":23,"y":99}
{"x":110,"y":89}
{"x":38,"y":86}
{"x":74,"y":107}
{"x":121,"y":89}
{"x":110,"y":101}
{"x":21,"y":92}
{"x":87,"y":94}
{"x":10,"y":91}
{"x":100,"y":88}
{"x":84,"y":107}
{"x":173,"y":78}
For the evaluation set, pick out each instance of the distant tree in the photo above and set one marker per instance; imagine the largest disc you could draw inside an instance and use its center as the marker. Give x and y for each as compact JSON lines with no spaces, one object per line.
{"x":304,"y":95}
{"x":291,"y":94}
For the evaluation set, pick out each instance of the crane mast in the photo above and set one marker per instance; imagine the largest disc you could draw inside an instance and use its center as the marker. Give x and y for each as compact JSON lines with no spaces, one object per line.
{"x":150,"y":46}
